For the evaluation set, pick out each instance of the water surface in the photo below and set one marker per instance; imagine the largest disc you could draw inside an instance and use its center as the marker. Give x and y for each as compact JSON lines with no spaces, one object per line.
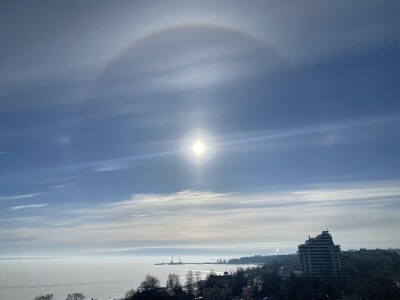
{"x":102,"y":278}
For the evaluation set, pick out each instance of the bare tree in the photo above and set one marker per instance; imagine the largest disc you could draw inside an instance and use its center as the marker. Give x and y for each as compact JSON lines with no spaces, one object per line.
{"x":190,"y":283}
{"x":76,"y":296}
{"x":150,"y":282}
{"x":173,"y":281}
{"x":44,"y":297}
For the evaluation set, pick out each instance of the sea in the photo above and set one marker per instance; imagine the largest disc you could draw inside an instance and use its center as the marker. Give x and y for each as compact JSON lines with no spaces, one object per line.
{"x":98,"y":278}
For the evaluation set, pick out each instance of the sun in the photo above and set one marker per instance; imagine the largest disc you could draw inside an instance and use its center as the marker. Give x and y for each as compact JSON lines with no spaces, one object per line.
{"x":198,"y":148}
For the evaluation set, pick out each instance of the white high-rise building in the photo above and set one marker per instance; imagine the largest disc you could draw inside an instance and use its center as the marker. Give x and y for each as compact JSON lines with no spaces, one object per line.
{"x":320,"y":257}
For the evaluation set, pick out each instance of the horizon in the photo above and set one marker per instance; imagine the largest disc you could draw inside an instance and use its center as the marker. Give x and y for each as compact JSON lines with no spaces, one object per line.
{"x":198,"y":256}
{"x":180,"y":127}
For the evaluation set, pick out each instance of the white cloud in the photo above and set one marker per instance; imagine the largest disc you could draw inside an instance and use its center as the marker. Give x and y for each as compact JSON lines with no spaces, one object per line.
{"x":19,"y":197}
{"x":358,"y":214}
{"x":61,"y":224}
{"x":28,"y":206}
{"x":61,"y":186}
{"x":110,"y":168}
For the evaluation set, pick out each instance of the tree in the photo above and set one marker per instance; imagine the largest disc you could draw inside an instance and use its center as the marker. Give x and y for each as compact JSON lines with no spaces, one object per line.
{"x":150,"y":282}
{"x":44,"y":297}
{"x":190,"y":282}
{"x":271,"y":283}
{"x":129,"y":294}
{"x":211,"y":273}
{"x":76,"y":296}
{"x":173,"y":281}
{"x":239,"y":281}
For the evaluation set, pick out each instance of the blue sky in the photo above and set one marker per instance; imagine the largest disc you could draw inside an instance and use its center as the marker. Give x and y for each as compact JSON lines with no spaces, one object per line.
{"x":296,"y":104}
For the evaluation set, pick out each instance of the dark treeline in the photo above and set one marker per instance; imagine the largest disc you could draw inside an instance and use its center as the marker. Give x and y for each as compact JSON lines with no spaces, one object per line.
{"x":283,"y":260}
{"x":367,"y":275}
{"x":75,"y":296}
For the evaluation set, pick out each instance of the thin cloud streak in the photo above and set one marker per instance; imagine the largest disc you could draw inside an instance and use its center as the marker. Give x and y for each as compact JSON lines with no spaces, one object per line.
{"x":102,"y":165}
{"x":122,"y":163}
{"x":62,"y":186}
{"x":110,"y":168}
{"x":13,"y":208}
{"x":19,"y":197}
{"x":320,"y":128}
{"x":61,"y":224}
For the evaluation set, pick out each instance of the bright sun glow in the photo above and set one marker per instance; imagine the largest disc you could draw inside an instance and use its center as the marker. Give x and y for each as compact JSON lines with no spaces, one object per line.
{"x":198,"y":148}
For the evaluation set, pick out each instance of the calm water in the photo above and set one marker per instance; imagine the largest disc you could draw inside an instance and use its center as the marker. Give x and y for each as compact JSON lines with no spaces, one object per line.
{"x":102,"y":278}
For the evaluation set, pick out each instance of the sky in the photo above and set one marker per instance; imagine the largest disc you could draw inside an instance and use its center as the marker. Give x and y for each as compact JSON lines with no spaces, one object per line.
{"x":295,"y":103}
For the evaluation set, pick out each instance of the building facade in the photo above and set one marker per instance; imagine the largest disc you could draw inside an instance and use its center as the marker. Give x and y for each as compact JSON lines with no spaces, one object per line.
{"x":320,"y":257}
